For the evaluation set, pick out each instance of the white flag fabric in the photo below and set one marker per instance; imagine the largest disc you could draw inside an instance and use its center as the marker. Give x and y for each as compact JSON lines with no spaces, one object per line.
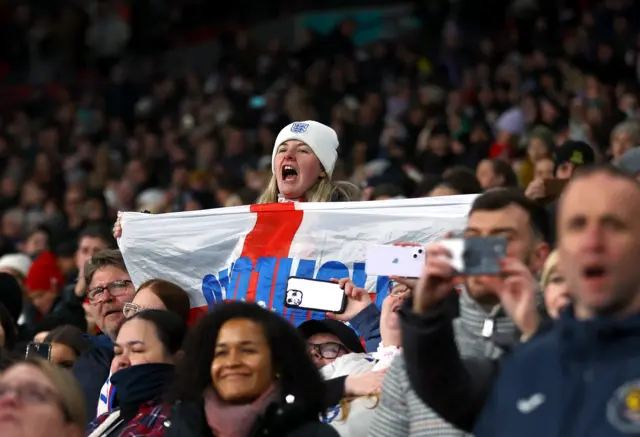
{"x":249,"y":252}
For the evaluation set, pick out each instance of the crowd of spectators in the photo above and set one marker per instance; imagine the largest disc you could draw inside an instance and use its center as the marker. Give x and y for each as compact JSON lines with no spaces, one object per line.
{"x":519,"y":106}
{"x":404,"y":114}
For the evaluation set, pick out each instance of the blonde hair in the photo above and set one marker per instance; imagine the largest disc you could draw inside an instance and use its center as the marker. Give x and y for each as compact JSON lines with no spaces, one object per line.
{"x":346,"y":403}
{"x":324,"y":190}
{"x":549,"y":266}
{"x":66,"y":387}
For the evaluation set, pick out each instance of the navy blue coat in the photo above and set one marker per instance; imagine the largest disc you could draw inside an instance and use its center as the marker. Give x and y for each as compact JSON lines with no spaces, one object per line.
{"x":579,"y":379}
{"x":92,"y":370}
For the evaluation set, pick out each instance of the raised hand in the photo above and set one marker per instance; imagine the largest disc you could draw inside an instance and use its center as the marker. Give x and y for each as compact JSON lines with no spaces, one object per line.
{"x":517,"y":292}
{"x":357,"y":300}
{"x":436,"y":281}
{"x":117,"y":227}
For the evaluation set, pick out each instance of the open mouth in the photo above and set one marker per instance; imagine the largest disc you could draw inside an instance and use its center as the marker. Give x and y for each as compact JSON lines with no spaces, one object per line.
{"x":595,"y":272}
{"x":289,"y":173}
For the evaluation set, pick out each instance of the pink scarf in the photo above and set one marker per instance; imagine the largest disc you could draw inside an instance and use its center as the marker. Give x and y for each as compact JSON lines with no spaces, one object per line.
{"x":229,"y":420}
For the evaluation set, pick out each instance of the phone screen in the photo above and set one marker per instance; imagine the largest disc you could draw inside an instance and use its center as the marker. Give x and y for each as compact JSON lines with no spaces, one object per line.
{"x":553,"y":189}
{"x":39,"y":350}
{"x":257,"y":102}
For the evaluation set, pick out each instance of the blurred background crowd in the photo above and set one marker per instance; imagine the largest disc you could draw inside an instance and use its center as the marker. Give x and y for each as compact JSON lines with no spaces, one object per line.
{"x":449,"y":98}
{"x":175,"y":105}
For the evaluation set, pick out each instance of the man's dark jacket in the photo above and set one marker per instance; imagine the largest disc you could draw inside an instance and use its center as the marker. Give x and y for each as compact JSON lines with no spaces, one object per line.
{"x":454,"y":387}
{"x":92,"y":370}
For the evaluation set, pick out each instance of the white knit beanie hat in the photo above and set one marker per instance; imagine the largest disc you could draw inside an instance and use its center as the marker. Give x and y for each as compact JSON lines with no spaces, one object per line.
{"x":321,"y":138}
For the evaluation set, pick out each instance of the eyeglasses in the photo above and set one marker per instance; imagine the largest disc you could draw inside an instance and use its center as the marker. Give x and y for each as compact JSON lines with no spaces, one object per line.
{"x":34,"y":394}
{"x":115,"y":288}
{"x":328,"y":351}
{"x":130,"y":309}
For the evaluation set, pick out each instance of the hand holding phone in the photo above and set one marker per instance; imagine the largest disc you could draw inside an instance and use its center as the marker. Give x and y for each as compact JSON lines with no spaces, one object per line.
{"x":517,"y":293}
{"x":455,"y":257}
{"x":315,"y":295}
{"x":476,"y":255}
{"x":436,"y":281}
{"x":39,"y":350}
{"x":553,"y":188}
{"x":357,"y":300}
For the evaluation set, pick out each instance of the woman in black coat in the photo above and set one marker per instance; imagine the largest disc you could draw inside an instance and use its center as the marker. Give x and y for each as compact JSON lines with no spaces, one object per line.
{"x":246,"y":372}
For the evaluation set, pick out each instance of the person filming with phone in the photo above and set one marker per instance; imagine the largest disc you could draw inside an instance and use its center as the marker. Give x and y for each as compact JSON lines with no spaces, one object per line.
{"x":483,"y":331}
{"x":569,"y":158}
{"x":583,"y":376}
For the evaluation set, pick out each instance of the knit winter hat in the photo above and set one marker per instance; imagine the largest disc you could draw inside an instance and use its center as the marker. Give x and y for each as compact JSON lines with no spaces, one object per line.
{"x":19,"y":262}
{"x":321,"y":138}
{"x":44,"y":274}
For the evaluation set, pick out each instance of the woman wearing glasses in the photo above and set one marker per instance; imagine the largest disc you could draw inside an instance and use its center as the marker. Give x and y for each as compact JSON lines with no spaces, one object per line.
{"x":39,"y":399}
{"x":156,"y":294}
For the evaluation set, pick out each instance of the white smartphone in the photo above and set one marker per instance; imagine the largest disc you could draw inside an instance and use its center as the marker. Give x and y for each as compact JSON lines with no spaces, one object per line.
{"x":315,"y":295}
{"x":388,"y":260}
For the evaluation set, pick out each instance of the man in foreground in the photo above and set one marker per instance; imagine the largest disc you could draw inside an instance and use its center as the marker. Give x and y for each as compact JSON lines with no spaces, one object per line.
{"x":582,"y":377}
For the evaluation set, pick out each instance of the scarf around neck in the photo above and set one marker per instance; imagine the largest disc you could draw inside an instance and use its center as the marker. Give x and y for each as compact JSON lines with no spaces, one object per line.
{"x":230,"y":420}
{"x":142,"y":383}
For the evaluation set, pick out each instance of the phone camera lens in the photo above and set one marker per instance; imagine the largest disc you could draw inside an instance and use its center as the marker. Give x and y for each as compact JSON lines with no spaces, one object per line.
{"x":415,"y":256}
{"x":420,"y":251}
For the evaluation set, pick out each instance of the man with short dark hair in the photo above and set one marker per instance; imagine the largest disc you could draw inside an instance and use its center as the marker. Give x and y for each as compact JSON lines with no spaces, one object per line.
{"x":496,"y":173}
{"x":38,"y":241}
{"x":92,"y":239}
{"x":481,"y":331}
{"x":454,"y":385}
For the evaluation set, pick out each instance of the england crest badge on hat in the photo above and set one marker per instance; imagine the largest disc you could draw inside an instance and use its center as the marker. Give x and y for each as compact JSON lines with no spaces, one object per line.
{"x":299,"y":128}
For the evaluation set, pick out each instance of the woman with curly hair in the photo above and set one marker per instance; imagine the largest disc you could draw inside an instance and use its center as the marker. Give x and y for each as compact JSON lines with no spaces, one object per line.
{"x":246,"y":372}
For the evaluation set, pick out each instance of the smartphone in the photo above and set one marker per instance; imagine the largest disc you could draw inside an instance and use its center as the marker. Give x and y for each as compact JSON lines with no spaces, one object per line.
{"x":553,"y":189}
{"x":315,"y":295}
{"x":389,"y":260}
{"x":39,"y":350}
{"x":257,"y":102}
{"x":476,"y":255}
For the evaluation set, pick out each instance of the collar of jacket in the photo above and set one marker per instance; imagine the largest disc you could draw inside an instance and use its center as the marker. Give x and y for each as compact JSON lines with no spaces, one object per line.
{"x":596,"y":332}
{"x":188,"y":419}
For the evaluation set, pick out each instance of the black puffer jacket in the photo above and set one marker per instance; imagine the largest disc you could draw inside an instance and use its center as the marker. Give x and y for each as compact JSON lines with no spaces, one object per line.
{"x":280,"y":419}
